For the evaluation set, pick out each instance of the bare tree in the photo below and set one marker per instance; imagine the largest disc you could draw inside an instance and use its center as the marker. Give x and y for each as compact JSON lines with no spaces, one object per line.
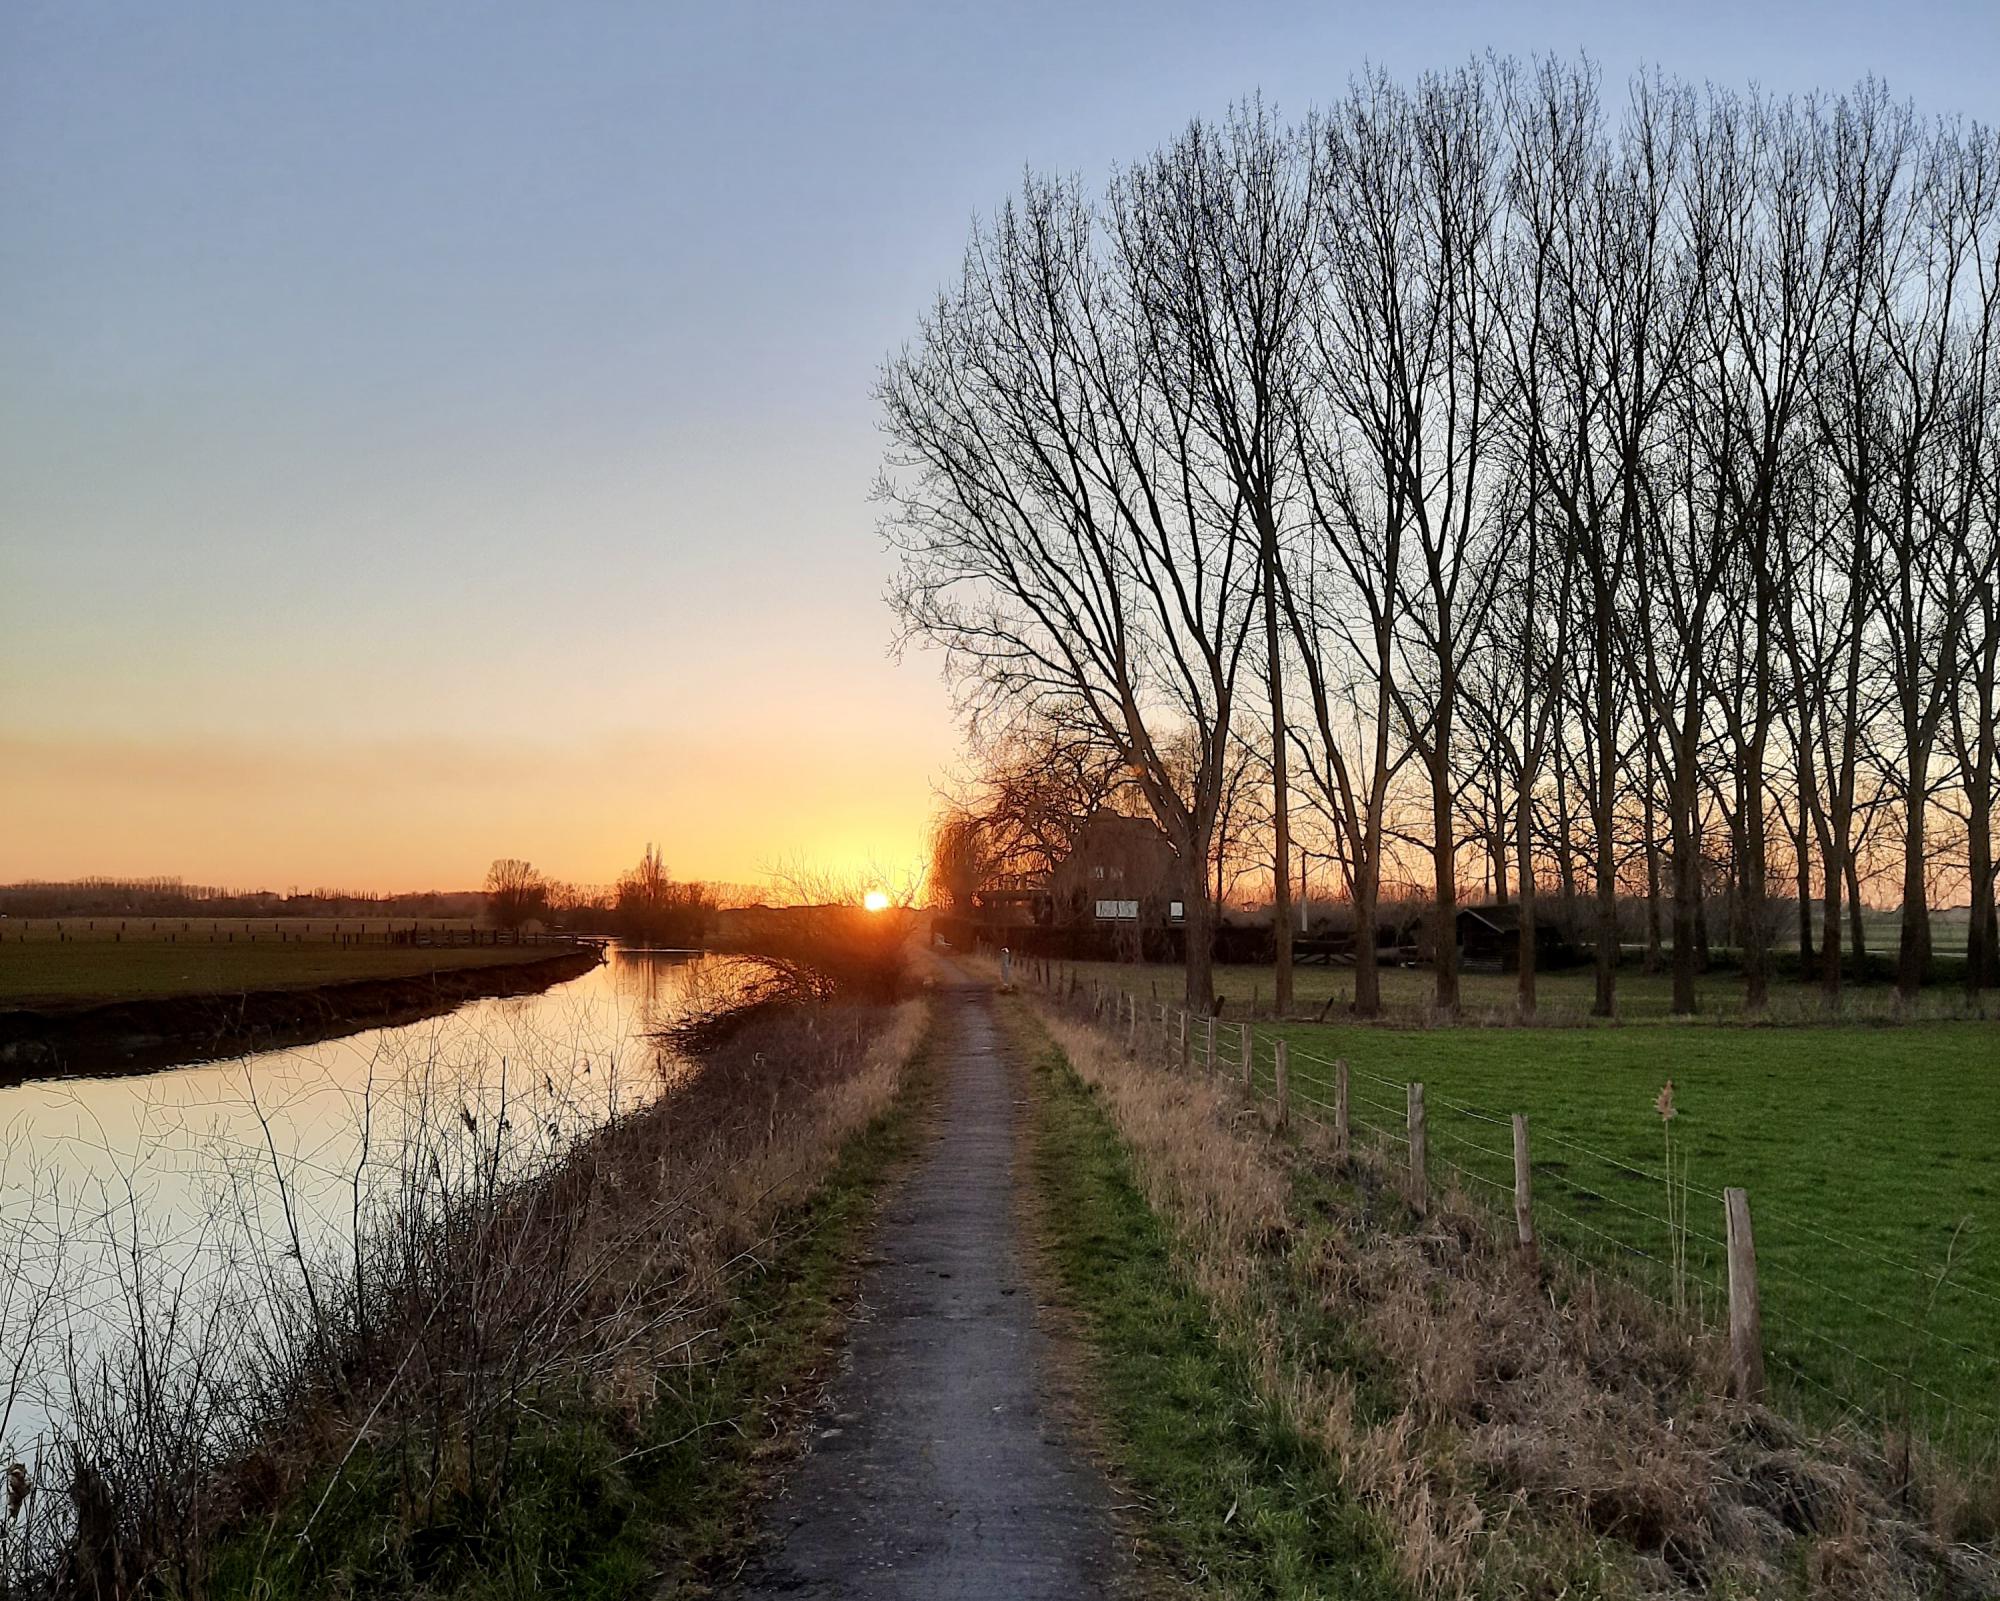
{"x":1216,"y":226}
{"x":1063,"y":535}
{"x":1628,"y":476}
{"x":1760,"y":218}
{"x":515,"y":892}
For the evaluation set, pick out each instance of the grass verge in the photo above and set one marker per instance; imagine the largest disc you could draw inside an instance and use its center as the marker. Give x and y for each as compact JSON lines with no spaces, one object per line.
{"x":1515,"y":1434}
{"x":1242,"y":1503}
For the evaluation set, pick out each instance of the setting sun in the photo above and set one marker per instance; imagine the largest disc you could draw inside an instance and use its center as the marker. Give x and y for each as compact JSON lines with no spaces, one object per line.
{"x":876,"y":900}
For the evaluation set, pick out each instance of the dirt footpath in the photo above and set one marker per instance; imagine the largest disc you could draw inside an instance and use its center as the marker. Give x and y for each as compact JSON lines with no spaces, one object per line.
{"x":944,"y":1467}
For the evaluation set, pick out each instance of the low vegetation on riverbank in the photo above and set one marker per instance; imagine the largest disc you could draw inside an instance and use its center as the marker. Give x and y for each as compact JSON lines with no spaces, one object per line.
{"x":525,"y":1379}
{"x":1509,"y":1434}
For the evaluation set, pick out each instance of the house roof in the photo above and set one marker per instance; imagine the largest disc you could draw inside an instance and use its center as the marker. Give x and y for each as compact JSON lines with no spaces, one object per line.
{"x":1501,"y":919}
{"x":1105,"y":819}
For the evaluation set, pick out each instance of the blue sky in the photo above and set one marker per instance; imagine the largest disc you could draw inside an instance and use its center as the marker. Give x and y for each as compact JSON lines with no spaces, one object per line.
{"x":430,"y":432}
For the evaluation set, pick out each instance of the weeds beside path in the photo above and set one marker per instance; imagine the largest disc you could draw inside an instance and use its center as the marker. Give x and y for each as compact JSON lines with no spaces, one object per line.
{"x":1483,"y":1430}
{"x":1240,"y":1501}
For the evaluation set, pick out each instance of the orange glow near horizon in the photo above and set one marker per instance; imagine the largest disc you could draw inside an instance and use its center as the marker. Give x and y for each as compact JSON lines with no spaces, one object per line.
{"x":408,"y":814}
{"x":876,"y":900}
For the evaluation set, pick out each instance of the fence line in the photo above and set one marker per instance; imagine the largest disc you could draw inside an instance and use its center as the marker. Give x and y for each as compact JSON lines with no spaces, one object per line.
{"x":1688,"y":1270}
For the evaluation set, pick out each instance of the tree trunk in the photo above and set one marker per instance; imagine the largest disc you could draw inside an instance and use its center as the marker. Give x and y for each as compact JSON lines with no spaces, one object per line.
{"x":1753,"y":917}
{"x":1802,"y":856}
{"x":1913,"y":951}
{"x":1979,"y":866}
{"x":1198,"y":927}
{"x":1281,"y":820}
{"x":1687,"y":881}
{"x":1606,"y":799}
{"x":1704,"y":954}
{"x":1653,"y":932}
{"x":1444,"y":865}
{"x":1367,"y":974}
{"x":1524,"y":845}
{"x":1982,"y":958}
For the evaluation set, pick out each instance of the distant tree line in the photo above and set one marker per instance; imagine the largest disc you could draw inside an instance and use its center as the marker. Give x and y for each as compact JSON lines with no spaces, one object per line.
{"x":1596,"y":499}
{"x":647,"y":904}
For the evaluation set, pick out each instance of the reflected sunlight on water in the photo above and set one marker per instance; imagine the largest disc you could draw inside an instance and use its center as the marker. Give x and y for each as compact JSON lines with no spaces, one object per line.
{"x":120,"y":1196}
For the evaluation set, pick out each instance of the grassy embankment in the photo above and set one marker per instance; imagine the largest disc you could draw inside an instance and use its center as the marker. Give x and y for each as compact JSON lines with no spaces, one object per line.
{"x":1871,"y":1156}
{"x":1240,"y":1502}
{"x":627,"y":1482}
{"x":568,"y":1385}
{"x":1508,"y":1435}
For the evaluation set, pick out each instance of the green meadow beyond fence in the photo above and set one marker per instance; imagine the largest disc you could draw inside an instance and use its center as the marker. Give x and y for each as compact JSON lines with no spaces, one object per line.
{"x":1838,"y":1327}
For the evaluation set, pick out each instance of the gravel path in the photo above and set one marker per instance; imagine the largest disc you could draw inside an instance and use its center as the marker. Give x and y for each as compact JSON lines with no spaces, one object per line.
{"x":943,"y":1468}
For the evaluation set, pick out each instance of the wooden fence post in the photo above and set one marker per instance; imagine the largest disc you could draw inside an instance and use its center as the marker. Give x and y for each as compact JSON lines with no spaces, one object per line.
{"x":1209,"y":1053}
{"x":1132,"y":1025}
{"x":1282,"y":1084}
{"x":1341,"y":1116}
{"x":1187,"y":1042}
{"x":1249,"y":1055}
{"x":1746,"y":1318}
{"x":1524,"y":1199}
{"x":1420,"y":1191}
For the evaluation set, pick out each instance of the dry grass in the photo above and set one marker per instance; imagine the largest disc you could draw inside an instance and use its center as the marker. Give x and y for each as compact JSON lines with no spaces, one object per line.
{"x":414,"y":1386}
{"x":1519,"y":1434}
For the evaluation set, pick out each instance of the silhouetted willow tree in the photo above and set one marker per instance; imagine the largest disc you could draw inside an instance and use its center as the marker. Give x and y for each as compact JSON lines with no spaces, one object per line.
{"x":1614,"y":485}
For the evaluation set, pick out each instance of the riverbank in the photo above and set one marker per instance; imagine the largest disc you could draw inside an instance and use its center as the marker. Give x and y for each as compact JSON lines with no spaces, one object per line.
{"x":61,"y":1038}
{"x":575,"y":1384}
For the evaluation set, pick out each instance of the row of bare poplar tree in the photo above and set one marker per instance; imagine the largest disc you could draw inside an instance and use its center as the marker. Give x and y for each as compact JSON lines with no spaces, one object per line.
{"x":1610,"y":481}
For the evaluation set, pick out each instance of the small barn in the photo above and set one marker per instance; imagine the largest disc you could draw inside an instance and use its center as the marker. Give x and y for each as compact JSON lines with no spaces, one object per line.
{"x":1490,"y":936}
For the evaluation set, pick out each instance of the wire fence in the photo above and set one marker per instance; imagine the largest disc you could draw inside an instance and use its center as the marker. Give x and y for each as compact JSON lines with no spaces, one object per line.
{"x":1840,"y":1350}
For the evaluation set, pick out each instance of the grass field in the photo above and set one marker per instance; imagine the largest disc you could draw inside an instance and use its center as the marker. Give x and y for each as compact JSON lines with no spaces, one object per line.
{"x":1871,"y":1156}
{"x":231,"y":930}
{"x":44,"y":972}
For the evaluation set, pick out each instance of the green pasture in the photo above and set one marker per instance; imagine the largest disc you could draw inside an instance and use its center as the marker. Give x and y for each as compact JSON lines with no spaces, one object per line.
{"x":1870,"y":1152}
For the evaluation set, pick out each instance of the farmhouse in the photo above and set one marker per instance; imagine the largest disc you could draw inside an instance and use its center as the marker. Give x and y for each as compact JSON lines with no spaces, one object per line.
{"x":1120,"y":872}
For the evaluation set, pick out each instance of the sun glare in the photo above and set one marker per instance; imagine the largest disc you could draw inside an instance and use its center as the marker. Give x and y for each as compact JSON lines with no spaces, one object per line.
{"x":876,"y":900}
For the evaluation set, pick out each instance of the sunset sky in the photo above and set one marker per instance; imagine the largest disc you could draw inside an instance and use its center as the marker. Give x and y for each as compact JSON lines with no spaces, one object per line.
{"x":433,"y":432}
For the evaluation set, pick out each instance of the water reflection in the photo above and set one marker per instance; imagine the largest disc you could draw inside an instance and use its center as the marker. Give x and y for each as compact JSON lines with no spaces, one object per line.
{"x":117,"y":1194}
